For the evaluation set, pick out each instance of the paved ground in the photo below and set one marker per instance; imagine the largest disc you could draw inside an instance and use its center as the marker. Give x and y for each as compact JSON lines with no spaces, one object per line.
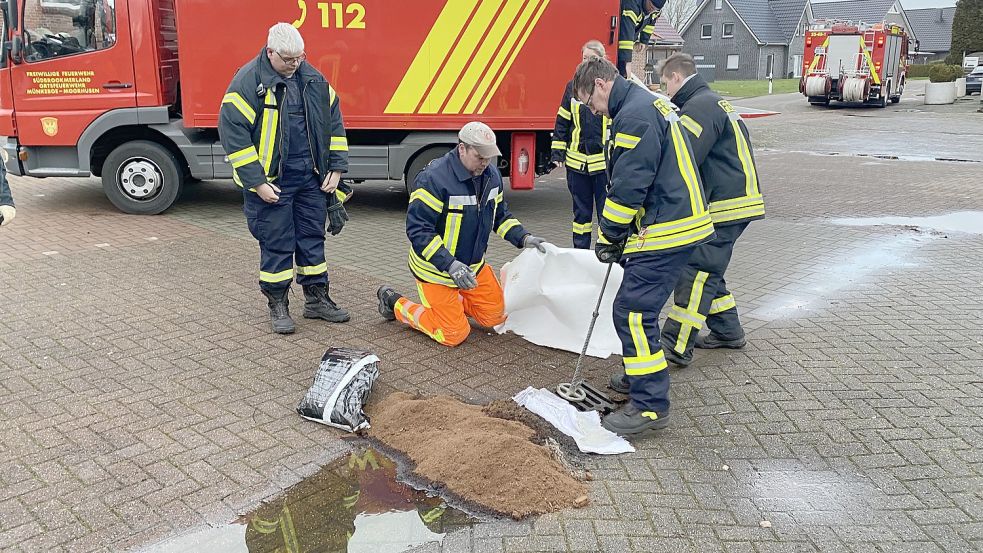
{"x":141,"y":393}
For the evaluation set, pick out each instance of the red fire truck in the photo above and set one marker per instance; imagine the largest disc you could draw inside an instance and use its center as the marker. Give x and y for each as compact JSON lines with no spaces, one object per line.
{"x":130,"y":90}
{"x":854,"y":63}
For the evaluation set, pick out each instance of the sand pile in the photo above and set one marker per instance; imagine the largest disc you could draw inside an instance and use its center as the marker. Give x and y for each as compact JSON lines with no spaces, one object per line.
{"x":487,"y":460}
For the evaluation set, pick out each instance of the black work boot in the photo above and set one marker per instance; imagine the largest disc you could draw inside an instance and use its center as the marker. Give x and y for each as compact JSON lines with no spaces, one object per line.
{"x":387,"y":302}
{"x":712,"y":341}
{"x":619,"y":383}
{"x":318,"y":305}
{"x":280,"y":311}
{"x":631,"y":420}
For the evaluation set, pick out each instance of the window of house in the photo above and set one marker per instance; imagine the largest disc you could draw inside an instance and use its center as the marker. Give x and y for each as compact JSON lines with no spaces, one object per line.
{"x":728,"y":30}
{"x":58,"y":28}
{"x":718,"y":4}
{"x":707,"y":31}
{"x":733,"y":62}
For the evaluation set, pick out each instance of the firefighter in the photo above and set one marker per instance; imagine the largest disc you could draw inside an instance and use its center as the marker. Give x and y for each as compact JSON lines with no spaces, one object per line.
{"x":459,"y":199}
{"x":578,"y":143}
{"x":7,"y":209}
{"x":722,"y":149}
{"x":654,"y":216}
{"x":637,"y":23}
{"x":281,"y":124}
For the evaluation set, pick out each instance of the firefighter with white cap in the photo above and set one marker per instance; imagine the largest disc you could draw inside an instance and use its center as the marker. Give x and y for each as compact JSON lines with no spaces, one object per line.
{"x":458,"y":201}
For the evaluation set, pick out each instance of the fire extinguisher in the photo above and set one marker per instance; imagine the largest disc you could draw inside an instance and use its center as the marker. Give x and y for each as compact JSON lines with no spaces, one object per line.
{"x":523,"y":162}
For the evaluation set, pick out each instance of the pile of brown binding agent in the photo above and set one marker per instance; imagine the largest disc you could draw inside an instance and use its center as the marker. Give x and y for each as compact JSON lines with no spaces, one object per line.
{"x":482,"y":459}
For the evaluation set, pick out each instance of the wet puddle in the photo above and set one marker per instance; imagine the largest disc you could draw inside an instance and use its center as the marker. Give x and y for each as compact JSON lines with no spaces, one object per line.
{"x":354,"y":505}
{"x":964,"y":221}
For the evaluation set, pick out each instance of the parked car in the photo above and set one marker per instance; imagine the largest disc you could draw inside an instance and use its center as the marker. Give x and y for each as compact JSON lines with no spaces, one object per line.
{"x":974,"y":79}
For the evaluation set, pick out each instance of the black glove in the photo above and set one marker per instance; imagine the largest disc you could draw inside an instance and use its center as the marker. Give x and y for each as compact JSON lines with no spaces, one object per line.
{"x":337,"y":216}
{"x":609,"y":253}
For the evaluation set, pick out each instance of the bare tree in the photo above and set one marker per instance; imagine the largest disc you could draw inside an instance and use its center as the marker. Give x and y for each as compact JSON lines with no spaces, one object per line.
{"x":677,"y":12}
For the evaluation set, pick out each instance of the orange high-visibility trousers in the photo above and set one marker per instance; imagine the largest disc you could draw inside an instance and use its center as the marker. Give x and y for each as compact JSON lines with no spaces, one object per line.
{"x":443,"y":311}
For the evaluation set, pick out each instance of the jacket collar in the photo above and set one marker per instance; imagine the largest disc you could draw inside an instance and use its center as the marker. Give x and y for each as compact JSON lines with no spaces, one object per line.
{"x":689,"y":89}
{"x":619,"y":93}
{"x":460,"y":171}
{"x":269,"y":78}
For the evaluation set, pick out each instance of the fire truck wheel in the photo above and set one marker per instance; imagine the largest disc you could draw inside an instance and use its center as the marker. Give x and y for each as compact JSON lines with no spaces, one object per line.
{"x":142,"y":178}
{"x":421,"y":160}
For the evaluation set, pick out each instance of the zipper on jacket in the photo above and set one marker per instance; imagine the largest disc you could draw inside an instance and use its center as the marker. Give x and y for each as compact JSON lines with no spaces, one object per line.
{"x":307,"y":126}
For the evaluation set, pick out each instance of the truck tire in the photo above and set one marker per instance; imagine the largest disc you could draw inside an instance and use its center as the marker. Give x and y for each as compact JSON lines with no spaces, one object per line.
{"x":884,"y":96}
{"x":142,"y":177}
{"x":421,"y":160}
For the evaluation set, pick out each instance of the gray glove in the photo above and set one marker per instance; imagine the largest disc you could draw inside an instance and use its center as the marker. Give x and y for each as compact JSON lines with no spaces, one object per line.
{"x":463,"y":276}
{"x":530,"y":241}
{"x":337,"y":217}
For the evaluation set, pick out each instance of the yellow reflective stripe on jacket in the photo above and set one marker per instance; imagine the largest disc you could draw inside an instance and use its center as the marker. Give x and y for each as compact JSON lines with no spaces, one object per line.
{"x":613,"y":211}
{"x":625,"y":45}
{"x":723,"y":303}
{"x":691,"y":125}
{"x":747,"y":160}
{"x":686,"y":168}
{"x":432,"y":248}
{"x":563,"y":112}
{"x":267,"y":136}
{"x":577,"y":131}
{"x":428,"y":272}
{"x":452,"y":230}
{"x":276,"y":277}
{"x":735,"y":209}
{"x":558,"y":145}
{"x":506,"y":226}
{"x":240,"y":104}
{"x":339,"y":144}
{"x":244,"y":156}
{"x":648,"y":29}
{"x":332,"y":95}
{"x":428,"y":199}
{"x":635,"y":17}
{"x":626,"y":141}
{"x":312,"y":269}
{"x":672,"y":234}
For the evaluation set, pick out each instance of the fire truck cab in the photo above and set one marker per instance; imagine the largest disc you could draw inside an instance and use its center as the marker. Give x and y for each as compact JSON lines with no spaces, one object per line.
{"x":130,"y":90}
{"x":856,"y":63}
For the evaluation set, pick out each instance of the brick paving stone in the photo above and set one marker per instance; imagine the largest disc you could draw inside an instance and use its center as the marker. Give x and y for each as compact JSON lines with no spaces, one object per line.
{"x":141,"y":392}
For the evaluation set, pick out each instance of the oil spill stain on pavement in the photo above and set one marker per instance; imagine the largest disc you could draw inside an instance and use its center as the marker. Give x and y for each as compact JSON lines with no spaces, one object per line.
{"x":860,"y":266}
{"x":963,"y":221}
{"x":354,"y":505}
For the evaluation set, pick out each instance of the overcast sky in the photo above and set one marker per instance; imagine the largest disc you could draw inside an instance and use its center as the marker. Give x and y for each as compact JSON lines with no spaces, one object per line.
{"x":915,"y":4}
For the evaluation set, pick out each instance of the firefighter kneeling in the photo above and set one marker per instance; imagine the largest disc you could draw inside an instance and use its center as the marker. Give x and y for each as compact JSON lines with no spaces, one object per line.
{"x":459,"y":199}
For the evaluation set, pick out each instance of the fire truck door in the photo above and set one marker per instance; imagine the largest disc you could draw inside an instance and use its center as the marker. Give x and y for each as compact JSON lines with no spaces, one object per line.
{"x":77,"y":64}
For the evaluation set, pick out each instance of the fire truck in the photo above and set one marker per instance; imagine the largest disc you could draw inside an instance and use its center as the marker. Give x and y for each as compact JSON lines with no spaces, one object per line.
{"x":130,"y":90}
{"x":856,"y":63}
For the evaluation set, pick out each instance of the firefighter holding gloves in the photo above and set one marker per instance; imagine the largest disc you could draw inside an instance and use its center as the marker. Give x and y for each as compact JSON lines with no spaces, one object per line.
{"x":722,"y":150}
{"x":578,"y":143}
{"x":637,"y":23}
{"x":281,"y":124}
{"x":654,"y":216}
{"x":458,"y":201}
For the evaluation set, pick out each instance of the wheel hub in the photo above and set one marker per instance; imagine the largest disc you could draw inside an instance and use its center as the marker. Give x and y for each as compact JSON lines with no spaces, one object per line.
{"x":140,"y":178}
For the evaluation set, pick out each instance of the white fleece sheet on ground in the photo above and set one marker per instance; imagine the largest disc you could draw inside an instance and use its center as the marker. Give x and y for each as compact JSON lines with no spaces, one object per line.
{"x":549,"y":299}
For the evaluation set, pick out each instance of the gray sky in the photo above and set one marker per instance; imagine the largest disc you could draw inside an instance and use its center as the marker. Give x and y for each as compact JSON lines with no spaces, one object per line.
{"x":915,"y":4}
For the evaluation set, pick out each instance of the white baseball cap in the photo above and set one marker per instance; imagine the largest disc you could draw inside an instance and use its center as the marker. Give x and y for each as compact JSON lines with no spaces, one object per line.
{"x":480,"y":137}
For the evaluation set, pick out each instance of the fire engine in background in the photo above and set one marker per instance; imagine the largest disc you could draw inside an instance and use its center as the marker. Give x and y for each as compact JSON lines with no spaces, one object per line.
{"x":854,"y":63}
{"x":130,"y":90}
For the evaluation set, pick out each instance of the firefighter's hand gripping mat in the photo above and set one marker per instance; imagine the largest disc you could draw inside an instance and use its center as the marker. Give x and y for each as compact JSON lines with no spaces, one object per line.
{"x":341,"y":385}
{"x":549,"y":299}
